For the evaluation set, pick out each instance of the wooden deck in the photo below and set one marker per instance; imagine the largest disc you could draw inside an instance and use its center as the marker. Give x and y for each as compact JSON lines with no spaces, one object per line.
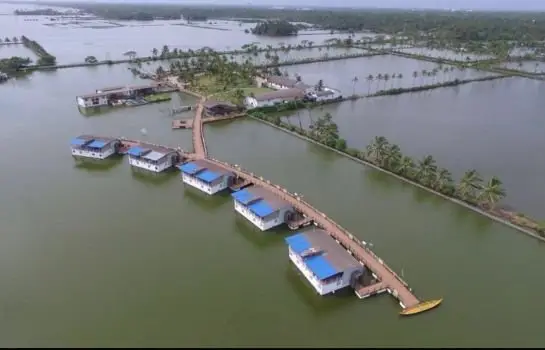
{"x":239,"y":185}
{"x":182,"y":124}
{"x":188,"y":123}
{"x":300,"y":223}
{"x":388,"y":280}
{"x":398,"y":287}
{"x":367,"y":291}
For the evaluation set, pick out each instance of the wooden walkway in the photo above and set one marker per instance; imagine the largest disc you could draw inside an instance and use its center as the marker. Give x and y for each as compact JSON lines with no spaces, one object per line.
{"x":395,"y":285}
{"x":188,"y":123}
{"x":388,"y":279}
{"x":367,"y":291}
{"x":300,"y":223}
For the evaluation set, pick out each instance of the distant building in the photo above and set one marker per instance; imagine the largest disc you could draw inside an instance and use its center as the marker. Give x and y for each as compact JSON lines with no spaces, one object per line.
{"x":104,"y":96}
{"x":279,"y":83}
{"x":326,"y":94}
{"x":206,"y":176}
{"x":274,"y":97}
{"x":94,"y":147}
{"x":326,"y":265}
{"x":219,"y":108}
{"x":152,"y":158}
{"x":262,"y":208}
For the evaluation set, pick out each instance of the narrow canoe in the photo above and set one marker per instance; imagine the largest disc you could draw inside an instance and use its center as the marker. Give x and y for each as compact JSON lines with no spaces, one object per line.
{"x":424,"y":306}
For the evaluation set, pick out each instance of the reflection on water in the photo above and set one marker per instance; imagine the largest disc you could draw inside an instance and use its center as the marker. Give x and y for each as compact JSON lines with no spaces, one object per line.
{"x":319,"y":305}
{"x":150,"y":177}
{"x":212,"y":203}
{"x":91,"y":164}
{"x":260,"y":239}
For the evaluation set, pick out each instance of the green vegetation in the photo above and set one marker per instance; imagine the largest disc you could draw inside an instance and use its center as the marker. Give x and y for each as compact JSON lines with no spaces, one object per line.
{"x":471,"y":188}
{"x":237,"y":95}
{"x":13,"y":64}
{"x":91,"y":59}
{"x":44,"y":58}
{"x":457,"y":26}
{"x":157,"y":98}
{"x":275,"y":28}
{"x":38,"y":12}
{"x":8,"y":41}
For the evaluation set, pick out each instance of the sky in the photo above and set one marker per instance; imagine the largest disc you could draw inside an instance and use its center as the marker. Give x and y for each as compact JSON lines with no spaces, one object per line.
{"x":522,"y":5}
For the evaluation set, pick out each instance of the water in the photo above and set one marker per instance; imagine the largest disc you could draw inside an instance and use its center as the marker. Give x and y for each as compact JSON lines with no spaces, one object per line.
{"x":446,"y":54}
{"x":526,"y":66}
{"x":340,"y":74}
{"x":105,"y":256}
{"x":261,"y":57}
{"x":494,"y":127}
{"x":71,"y":45}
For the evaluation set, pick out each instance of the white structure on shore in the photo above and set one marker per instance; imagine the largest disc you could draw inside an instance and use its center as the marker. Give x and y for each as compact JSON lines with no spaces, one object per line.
{"x":152,"y":158}
{"x":288,"y":90}
{"x":262,"y":208}
{"x":94,"y":147}
{"x":326,"y":265}
{"x":325,"y":94}
{"x":273,"y":98}
{"x":206,"y":176}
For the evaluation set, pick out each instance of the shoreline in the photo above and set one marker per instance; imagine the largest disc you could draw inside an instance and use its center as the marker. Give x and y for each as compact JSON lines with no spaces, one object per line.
{"x":408,"y":181}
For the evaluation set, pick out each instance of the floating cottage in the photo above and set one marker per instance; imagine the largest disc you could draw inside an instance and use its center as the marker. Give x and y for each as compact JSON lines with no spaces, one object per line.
{"x":262,"y":208}
{"x":206,"y":176}
{"x":94,"y":147}
{"x":326,"y":265}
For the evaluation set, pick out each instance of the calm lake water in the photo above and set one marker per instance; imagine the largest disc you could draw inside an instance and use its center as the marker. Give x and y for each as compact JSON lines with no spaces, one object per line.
{"x":74,"y":44}
{"x":340,"y":74}
{"x":494,"y":127}
{"x":105,"y":256}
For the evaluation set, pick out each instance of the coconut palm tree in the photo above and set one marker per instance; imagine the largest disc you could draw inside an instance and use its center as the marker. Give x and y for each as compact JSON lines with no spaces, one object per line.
{"x":469,"y":184}
{"x":354,"y":82}
{"x":377,"y":149}
{"x":392,"y":157}
{"x":443,"y":180}
{"x":492,"y":192}
{"x":426,"y":170}
{"x":369,"y":81}
{"x":405,"y":166}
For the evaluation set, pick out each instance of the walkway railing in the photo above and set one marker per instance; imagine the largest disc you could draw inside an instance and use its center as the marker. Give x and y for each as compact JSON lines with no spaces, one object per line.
{"x":339,"y":227}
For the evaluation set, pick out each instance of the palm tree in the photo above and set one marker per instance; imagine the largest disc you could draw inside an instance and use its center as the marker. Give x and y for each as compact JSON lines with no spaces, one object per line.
{"x":386,"y":78}
{"x":405,"y":166}
{"x":426,"y":170}
{"x":369,"y":81}
{"x":377,"y":149}
{"x":469,"y":184}
{"x":443,"y":179}
{"x":392,"y":157}
{"x":354,"y":82}
{"x":492,"y":192}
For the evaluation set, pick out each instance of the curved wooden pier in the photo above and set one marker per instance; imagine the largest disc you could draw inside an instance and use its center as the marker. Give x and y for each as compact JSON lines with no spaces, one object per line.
{"x":388,"y":280}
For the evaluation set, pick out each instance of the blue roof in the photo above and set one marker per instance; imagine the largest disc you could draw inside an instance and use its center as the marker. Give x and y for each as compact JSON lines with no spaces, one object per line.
{"x":261,"y":208}
{"x":189,"y":168}
{"x":208,"y":176}
{"x":244,"y":196}
{"x":320,"y":267}
{"x":298,"y":243}
{"x":137,"y":151}
{"x":78,"y":142}
{"x":97,"y":144}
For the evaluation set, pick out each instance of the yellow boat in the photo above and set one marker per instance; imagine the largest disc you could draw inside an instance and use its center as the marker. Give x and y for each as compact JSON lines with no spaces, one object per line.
{"x":424,"y":306}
